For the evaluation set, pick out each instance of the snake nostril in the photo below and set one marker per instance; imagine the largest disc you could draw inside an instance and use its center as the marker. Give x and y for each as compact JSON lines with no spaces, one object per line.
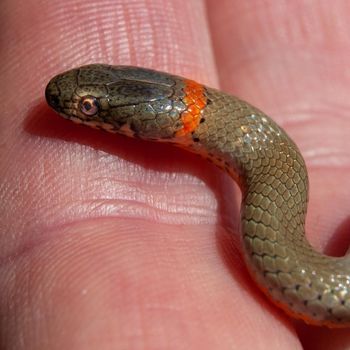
{"x":51,"y":95}
{"x":52,"y":100}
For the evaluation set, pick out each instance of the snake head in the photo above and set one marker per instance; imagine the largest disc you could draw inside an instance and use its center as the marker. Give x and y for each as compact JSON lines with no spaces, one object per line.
{"x":134,"y":101}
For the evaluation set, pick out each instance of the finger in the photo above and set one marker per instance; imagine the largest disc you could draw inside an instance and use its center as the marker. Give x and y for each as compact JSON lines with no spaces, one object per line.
{"x":289,"y":59}
{"x":79,"y":283}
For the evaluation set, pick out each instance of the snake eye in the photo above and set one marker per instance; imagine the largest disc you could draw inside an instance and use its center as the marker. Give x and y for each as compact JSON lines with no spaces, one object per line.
{"x":89,"y":105}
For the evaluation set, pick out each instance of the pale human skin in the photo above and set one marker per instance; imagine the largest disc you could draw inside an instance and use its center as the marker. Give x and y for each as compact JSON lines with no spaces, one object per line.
{"x":114,"y":243}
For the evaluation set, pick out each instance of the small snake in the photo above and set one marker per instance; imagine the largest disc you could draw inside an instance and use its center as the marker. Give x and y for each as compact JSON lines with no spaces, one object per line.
{"x":244,"y":142}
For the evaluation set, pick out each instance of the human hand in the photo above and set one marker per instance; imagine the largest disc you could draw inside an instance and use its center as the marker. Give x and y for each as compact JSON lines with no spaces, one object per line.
{"x":115,"y":243}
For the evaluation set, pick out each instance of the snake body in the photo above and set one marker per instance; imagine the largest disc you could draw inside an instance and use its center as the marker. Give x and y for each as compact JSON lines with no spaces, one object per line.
{"x":244,"y":142}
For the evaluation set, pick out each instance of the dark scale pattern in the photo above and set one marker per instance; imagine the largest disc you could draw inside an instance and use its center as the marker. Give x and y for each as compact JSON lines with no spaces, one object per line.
{"x":253,"y":149}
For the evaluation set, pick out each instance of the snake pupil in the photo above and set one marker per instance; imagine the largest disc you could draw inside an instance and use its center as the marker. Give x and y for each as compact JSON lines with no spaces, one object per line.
{"x":87,"y":105}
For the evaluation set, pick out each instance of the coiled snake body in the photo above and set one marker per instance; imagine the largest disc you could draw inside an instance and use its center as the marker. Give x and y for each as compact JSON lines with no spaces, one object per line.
{"x":245,"y":143}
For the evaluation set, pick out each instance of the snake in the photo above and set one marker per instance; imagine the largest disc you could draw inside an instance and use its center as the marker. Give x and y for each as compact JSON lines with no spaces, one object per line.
{"x":246,"y":144}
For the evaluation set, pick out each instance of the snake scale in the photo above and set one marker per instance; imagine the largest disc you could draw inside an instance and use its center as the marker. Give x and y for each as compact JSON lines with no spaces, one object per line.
{"x":244,"y":142}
